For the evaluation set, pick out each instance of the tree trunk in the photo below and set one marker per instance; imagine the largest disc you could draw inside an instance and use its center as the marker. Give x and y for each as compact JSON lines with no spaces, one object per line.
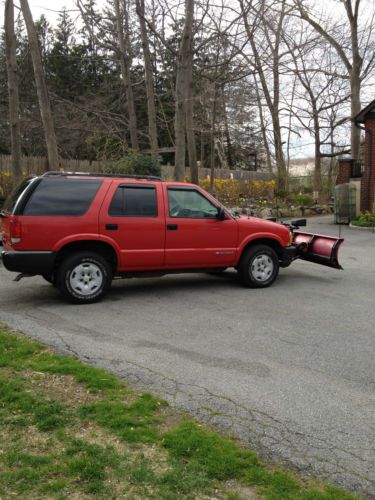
{"x":212,"y":139}
{"x":202,"y":146}
{"x":189,"y":107}
{"x":11,"y":62}
{"x":263,"y":129}
{"x":229,"y":155}
{"x":318,"y":161}
{"x":184,"y":111}
{"x":125,"y":73}
{"x":180,"y":125}
{"x":355,"y":85}
{"x":41,"y":88}
{"x":152,"y":129}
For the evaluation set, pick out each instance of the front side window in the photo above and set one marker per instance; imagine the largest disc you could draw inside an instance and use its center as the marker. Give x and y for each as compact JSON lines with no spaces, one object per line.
{"x":134,"y":201}
{"x":190,"y":204}
{"x":62,"y":197}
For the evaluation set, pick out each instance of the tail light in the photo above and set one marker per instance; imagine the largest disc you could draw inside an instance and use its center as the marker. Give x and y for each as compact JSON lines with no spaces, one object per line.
{"x":15,"y":231}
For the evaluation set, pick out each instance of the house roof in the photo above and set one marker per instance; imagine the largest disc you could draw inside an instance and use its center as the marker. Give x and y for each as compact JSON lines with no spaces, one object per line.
{"x":370,"y":108}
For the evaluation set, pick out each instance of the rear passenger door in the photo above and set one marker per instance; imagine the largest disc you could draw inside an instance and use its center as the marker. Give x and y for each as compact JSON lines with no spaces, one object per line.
{"x":133,"y":217}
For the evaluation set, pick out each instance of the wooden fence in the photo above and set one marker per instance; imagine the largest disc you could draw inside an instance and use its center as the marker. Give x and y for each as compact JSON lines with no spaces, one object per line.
{"x":38,"y":165}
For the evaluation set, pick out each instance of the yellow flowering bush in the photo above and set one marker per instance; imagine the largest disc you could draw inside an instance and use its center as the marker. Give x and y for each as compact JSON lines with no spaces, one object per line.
{"x":233,"y":192}
{"x":6,"y":183}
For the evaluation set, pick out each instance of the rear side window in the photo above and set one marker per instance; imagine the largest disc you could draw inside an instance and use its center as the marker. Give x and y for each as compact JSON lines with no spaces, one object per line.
{"x":134,"y":201}
{"x":62,"y":197}
{"x":14,"y":196}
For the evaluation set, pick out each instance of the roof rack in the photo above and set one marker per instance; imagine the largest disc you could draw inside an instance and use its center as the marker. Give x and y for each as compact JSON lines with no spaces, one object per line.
{"x":62,"y":173}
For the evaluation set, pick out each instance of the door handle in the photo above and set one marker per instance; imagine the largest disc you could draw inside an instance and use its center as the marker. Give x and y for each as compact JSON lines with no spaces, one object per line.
{"x":111,"y":227}
{"x":172,"y":227}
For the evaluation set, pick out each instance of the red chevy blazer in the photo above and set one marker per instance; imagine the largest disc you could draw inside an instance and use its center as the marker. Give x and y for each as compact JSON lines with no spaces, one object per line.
{"x":79,"y":231}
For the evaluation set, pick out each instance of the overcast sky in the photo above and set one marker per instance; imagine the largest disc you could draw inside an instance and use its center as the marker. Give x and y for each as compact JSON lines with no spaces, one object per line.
{"x":50,"y":8}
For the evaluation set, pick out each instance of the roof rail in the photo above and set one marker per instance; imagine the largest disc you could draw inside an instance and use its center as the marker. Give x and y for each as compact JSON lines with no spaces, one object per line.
{"x":62,"y":173}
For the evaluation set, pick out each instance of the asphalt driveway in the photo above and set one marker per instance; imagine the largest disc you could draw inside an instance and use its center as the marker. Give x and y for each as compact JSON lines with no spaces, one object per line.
{"x":289,"y":369}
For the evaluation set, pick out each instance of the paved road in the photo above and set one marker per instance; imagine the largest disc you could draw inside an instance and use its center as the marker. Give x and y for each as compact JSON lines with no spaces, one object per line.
{"x":289,"y":369}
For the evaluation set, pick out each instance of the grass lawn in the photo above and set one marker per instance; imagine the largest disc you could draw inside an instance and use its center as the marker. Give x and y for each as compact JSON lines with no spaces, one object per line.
{"x":70,"y":430}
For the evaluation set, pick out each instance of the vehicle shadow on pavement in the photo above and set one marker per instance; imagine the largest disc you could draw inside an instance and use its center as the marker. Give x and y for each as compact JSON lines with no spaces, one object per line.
{"x":175,"y":283}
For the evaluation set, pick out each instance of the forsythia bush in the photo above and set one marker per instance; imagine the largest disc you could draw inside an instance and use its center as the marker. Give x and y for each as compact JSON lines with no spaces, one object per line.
{"x":234,"y":192}
{"x":6,"y":184}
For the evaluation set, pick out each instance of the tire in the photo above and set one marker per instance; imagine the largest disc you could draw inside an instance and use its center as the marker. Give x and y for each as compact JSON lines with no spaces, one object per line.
{"x":258,"y":267}
{"x":84,"y":278}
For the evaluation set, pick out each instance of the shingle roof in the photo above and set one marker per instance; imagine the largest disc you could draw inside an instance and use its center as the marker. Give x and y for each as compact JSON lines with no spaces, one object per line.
{"x":360,"y":118}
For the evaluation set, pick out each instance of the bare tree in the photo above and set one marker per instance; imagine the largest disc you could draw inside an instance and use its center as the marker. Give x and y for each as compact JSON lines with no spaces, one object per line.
{"x":319,"y":92}
{"x":149,"y":79}
{"x":41,"y":88}
{"x":357,"y":53}
{"x":189,"y":102}
{"x":123,"y":43}
{"x":184,"y":109}
{"x":268,"y":24}
{"x":11,"y":61}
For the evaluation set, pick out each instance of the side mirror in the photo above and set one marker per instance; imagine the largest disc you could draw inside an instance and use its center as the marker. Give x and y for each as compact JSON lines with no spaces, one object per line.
{"x":221,"y":214}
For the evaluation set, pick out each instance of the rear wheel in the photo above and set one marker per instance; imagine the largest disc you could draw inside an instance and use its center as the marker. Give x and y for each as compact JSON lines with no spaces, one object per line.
{"x":84,"y":277}
{"x":259,"y":266}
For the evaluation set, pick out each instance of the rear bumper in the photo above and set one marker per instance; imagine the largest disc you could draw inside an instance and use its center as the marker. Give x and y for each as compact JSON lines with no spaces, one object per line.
{"x":29,"y":262}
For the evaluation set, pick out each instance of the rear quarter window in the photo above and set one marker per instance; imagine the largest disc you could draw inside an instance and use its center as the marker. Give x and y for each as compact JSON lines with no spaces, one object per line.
{"x":15,"y":195}
{"x":69,"y":197}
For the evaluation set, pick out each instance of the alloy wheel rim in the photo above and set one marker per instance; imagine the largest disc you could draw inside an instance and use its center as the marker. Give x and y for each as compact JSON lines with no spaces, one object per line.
{"x":262,"y":268}
{"x":86,"y":278}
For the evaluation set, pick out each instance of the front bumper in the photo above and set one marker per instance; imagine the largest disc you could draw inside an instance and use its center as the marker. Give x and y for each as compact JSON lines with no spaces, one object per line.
{"x":38,"y":262}
{"x":289,"y":254}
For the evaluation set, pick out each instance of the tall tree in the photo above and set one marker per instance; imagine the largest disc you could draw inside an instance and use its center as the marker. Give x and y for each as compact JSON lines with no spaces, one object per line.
{"x":124,"y":59}
{"x":11,"y":61}
{"x":183,"y":113}
{"x":41,"y":87}
{"x":268,"y":24}
{"x":149,"y":80}
{"x":353,"y":53}
{"x":189,"y":101}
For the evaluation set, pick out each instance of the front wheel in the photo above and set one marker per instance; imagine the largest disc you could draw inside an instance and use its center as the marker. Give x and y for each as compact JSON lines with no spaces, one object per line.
{"x":84,"y":277}
{"x":259,"y":266}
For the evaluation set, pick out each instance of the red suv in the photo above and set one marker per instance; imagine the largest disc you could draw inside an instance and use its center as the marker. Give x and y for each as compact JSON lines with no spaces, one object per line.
{"x":79,"y":231}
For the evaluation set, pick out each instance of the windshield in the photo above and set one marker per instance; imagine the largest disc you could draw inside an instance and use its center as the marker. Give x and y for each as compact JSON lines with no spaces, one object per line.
{"x":11,"y":201}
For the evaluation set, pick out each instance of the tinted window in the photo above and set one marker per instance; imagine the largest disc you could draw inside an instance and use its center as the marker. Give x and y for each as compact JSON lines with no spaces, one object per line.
{"x":62,"y":197}
{"x":12,"y":199}
{"x":134,"y":201}
{"x":190,"y":204}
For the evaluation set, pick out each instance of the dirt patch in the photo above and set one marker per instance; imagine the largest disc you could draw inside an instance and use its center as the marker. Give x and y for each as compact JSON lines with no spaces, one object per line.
{"x":243,"y":492}
{"x":169,"y":419}
{"x":62,"y":388}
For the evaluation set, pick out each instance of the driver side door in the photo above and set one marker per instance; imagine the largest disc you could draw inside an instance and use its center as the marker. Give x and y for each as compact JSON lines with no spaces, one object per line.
{"x":195,"y":236}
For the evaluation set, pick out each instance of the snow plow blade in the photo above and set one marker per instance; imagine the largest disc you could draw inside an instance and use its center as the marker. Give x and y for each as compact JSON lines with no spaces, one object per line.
{"x":318,"y":248}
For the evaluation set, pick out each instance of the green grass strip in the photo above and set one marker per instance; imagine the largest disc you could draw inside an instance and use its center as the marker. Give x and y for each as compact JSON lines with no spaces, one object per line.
{"x":197,"y":460}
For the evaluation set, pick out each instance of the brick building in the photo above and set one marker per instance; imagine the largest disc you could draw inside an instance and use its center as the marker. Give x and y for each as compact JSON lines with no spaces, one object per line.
{"x":354,"y":172}
{"x":366,"y":118}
